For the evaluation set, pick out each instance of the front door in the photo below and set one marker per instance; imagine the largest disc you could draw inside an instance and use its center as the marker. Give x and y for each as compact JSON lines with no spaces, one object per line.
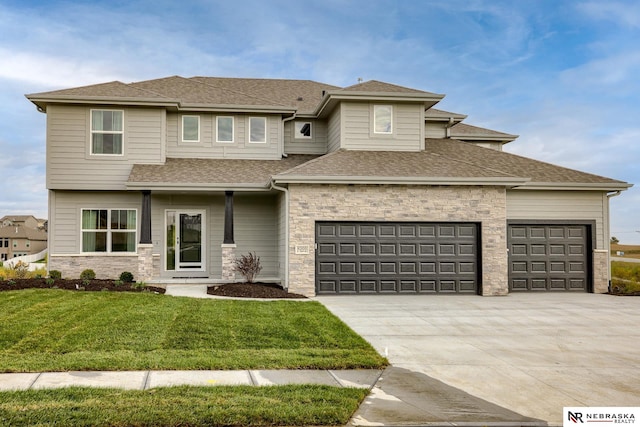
{"x":185,"y":231}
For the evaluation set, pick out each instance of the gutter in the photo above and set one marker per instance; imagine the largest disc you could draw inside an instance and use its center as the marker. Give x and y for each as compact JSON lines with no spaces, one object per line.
{"x":286,"y":232}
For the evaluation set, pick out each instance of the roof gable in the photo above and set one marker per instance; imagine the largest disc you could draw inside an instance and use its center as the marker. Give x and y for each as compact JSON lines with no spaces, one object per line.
{"x":382,"y":87}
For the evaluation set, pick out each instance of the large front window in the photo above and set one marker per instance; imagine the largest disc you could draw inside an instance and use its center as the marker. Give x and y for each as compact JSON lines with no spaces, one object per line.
{"x":109,"y":230}
{"x":107,"y":132}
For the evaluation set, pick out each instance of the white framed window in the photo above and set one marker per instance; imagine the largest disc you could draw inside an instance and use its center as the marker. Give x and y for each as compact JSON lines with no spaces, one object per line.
{"x":224,"y":129}
{"x":107,"y":132}
{"x":383,"y":119}
{"x":258,"y":129}
{"x":191,"y":128}
{"x":108,"y":230}
{"x":302,"y":130}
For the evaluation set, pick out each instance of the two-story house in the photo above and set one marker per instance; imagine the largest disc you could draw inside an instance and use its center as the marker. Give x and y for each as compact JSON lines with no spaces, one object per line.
{"x":21,"y":235}
{"x":362,"y":189}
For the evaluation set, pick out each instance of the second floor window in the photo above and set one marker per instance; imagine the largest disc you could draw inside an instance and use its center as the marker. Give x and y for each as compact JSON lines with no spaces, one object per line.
{"x":257,"y":129}
{"x":382,"y":119}
{"x":224,"y":129}
{"x":191,"y":128}
{"x":107,"y":132}
{"x":302,"y":130}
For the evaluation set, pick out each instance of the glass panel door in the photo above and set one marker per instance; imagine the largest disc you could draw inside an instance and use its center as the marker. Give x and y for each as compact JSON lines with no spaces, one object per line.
{"x":190,"y":241}
{"x":184,"y":235}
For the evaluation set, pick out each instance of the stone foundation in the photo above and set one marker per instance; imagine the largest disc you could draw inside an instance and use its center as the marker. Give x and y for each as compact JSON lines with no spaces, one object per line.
{"x":106,"y":266}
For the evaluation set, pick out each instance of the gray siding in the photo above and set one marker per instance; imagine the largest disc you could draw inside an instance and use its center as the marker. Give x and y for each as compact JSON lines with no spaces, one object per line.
{"x":208,"y":148}
{"x":335,"y":129}
{"x":65,"y":215}
{"x":562,"y":205}
{"x":435,"y":130}
{"x":408,"y":128}
{"x":69,"y":163}
{"x":316,"y":145}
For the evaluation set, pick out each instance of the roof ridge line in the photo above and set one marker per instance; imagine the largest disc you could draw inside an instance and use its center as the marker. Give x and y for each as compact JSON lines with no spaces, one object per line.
{"x":196,"y":79}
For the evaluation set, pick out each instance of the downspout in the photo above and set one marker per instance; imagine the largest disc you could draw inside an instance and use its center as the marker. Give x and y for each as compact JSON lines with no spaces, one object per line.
{"x":288,"y":119}
{"x":607,"y":243}
{"x":447,"y":128}
{"x":286,"y":232}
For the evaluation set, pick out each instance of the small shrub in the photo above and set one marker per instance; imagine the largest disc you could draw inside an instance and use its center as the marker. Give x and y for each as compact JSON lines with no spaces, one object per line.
{"x":138,"y":285}
{"x":118,"y":283}
{"x":248,"y":266}
{"x":88,"y":274}
{"x":126,"y":277}
{"x":50,"y":281}
{"x":55,"y":274}
{"x":11,"y":282}
{"x":20,"y":270}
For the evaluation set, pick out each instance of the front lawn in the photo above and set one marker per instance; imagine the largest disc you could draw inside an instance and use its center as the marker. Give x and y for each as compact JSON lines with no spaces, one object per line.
{"x":58,"y":330}
{"x":292,"y":405}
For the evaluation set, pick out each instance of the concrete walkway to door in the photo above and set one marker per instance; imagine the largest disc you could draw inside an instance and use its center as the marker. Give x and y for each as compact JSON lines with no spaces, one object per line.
{"x":532,"y":354}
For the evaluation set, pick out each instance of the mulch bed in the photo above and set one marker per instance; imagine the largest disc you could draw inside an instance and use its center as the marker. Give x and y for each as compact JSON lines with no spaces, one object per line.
{"x":76,"y":285}
{"x":251,"y":290}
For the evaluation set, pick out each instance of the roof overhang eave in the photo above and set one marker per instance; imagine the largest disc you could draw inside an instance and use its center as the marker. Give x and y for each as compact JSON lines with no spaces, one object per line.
{"x":393,"y":180}
{"x":196,"y":186}
{"x":331,"y":98}
{"x":42,"y":102}
{"x":236,"y":108}
{"x":502,"y":138}
{"x":604,"y":186}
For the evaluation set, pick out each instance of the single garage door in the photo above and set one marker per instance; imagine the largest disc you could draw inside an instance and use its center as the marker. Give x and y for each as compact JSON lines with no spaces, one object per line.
{"x":549,"y":257}
{"x":383,"y":257}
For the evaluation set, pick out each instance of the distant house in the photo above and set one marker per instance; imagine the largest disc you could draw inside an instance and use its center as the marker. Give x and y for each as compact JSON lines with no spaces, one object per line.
{"x":21,"y":235}
{"x":355,"y":190}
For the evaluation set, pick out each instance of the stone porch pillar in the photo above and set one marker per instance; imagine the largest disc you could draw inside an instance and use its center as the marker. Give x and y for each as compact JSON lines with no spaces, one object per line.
{"x":145,"y":246}
{"x":228,"y":245}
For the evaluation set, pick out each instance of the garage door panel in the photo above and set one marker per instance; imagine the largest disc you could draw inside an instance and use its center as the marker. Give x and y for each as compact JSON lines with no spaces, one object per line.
{"x":549,"y":257}
{"x":396,"y":258}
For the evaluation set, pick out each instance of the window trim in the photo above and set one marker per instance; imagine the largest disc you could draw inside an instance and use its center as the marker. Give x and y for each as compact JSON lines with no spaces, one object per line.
{"x":92,"y":132}
{"x":299,"y":136}
{"x":264,"y":119}
{"x":109,"y":231}
{"x":182,"y":139}
{"x":375,"y":131}
{"x":233,"y":130}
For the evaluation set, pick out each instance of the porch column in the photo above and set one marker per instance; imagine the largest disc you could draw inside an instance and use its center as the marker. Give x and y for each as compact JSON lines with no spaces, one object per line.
{"x":145,"y":247}
{"x":228,"y":244}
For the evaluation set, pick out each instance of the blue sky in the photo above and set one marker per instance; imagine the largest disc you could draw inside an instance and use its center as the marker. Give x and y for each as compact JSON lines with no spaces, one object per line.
{"x":561,"y":74}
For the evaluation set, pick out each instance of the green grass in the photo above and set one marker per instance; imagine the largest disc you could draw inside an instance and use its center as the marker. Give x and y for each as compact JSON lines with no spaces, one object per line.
{"x":625,"y":270}
{"x":292,"y":405}
{"x":57,"y":330}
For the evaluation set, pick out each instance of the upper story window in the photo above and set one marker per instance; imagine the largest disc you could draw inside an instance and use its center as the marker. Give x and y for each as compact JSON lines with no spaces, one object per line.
{"x":257,"y":129}
{"x":109,"y":230}
{"x":302,"y":130}
{"x":224,"y":129}
{"x":107,"y":132}
{"x":383,"y":119}
{"x":191,"y":128}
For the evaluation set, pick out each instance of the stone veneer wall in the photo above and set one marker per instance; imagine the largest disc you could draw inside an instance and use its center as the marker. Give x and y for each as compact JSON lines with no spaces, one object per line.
{"x":106,"y":267}
{"x":484,"y":205}
{"x":600,"y":271}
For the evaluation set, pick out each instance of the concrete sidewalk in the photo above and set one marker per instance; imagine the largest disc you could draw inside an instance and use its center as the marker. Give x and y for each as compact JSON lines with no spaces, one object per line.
{"x":143,"y":380}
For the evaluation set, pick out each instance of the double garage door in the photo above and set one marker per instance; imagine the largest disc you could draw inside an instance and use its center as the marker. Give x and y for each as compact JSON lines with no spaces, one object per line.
{"x":444,"y":258}
{"x":384,"y":257}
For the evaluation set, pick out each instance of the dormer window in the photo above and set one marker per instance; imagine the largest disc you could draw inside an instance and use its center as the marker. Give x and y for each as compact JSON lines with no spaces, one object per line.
{"x":383,"y":119}
{"x":302,"y":130}
{"x":191,"y":128}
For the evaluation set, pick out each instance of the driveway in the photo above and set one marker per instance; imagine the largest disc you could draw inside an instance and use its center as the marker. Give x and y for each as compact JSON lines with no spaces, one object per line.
{"x":532,"y":354}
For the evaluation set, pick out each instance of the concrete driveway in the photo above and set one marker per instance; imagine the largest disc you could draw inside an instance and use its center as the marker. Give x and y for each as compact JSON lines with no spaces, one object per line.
{"x":532,"y":354}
